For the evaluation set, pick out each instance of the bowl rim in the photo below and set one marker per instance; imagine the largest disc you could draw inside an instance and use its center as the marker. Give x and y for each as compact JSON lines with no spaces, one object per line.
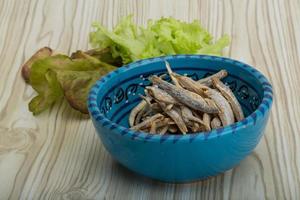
{"x":258,"y":114}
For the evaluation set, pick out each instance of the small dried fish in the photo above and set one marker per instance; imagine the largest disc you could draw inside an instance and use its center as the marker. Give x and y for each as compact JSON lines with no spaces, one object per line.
{"x":171,"y":74}
{"x":197,"y":114}
{"x":212,"y":103}
{"x":186,"y":97}
{"x":173,"y":114}
{"x":208,"y":80}
{"x":160,"y":122}
{"x":148,"y":113}
{"x":188,"y":114}
{"x":160,"y":95}
{"x":144,"y":130}
{"x":162,"y":76}
{"x":153,"y":127}
{"x":164,"y":122}
{"x":206,"y":120}
{"x":186,"y":105}
{"x":147,"y":121}
{"x":190,"y":84}
{"x":227,"y":93}
{"x":163,"y":130}
{"x":155,"y":107}
{"x":142,"y":112}
{"x":147,"y":98}
{"x":170,"y":106}
{"x":135,"y":111}
{"x":202,"y":128}
{"x":195,"y":127}
{"x":215,"y":123}
{"x":226,"y":114}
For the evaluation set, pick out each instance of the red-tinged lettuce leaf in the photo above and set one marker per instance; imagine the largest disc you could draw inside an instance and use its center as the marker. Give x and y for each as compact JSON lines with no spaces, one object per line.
{"x":41,"y":53}
{"x":54,"y":76}
{"x":101,"y":54}
{"x":76,"y":85}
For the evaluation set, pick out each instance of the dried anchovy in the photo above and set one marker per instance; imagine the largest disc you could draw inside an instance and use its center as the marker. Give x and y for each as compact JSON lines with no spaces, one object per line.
{"x":195,"y":127}
{"x":173,"y":114}
{"x":141,"y":114}
{"x":186,"y":97}
{"x":135,"y":111}
{"x":160,"y":122}
{"x":170,"y":106}
{"x":153,"y":127}
{"x":186,"y":105}
{"x":154,"y":107}
{"x":206,"y":120}
{"x":147,"y":121}
{"x":164,"y":122}
{"x":160,"y":95}
{"x":147,"y":98}
{"x":206,"y":125}
{"x":163,"y":130}
{"x":211,"y":103}
{"x":188,"y":114}
{"x":226,"y":114}
{"x":208,"y":80}
{"x":171,"y":74}
{"x":146,"y":130}
{"x":190,"y":84}
{"x":215,"y":123}
{"x":227,"y":93}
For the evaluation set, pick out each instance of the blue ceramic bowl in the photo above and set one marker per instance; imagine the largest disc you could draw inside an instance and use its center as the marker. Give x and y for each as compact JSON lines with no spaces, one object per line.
{"x":179,"y":158}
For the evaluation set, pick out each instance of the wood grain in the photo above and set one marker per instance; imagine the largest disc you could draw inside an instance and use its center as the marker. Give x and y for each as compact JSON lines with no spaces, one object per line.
{"x":57,"y":154}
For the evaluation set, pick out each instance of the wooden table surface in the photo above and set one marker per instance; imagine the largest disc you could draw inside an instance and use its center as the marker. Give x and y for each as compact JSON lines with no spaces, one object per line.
{"x":57,"y":155}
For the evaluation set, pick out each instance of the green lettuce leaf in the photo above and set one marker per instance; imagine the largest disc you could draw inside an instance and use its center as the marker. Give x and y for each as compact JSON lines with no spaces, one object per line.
{"x":48,"y":92}
{"x":161,"y":37}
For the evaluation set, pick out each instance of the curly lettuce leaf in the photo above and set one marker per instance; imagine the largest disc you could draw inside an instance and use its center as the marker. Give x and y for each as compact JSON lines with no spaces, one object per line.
{"x":57,"y":76}
{"x":103,"y":55}
{"x":161,"y":37}
{"x":216,"y":48}
{"x":41,"y":53}
{"x":76,"y":85}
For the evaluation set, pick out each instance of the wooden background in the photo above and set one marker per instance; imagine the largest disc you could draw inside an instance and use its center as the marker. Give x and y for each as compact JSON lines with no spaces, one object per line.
{"x":57,"y":154}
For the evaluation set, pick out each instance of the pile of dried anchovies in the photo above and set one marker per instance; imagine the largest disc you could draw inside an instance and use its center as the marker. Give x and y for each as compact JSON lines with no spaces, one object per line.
{"x":187,"y":106}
